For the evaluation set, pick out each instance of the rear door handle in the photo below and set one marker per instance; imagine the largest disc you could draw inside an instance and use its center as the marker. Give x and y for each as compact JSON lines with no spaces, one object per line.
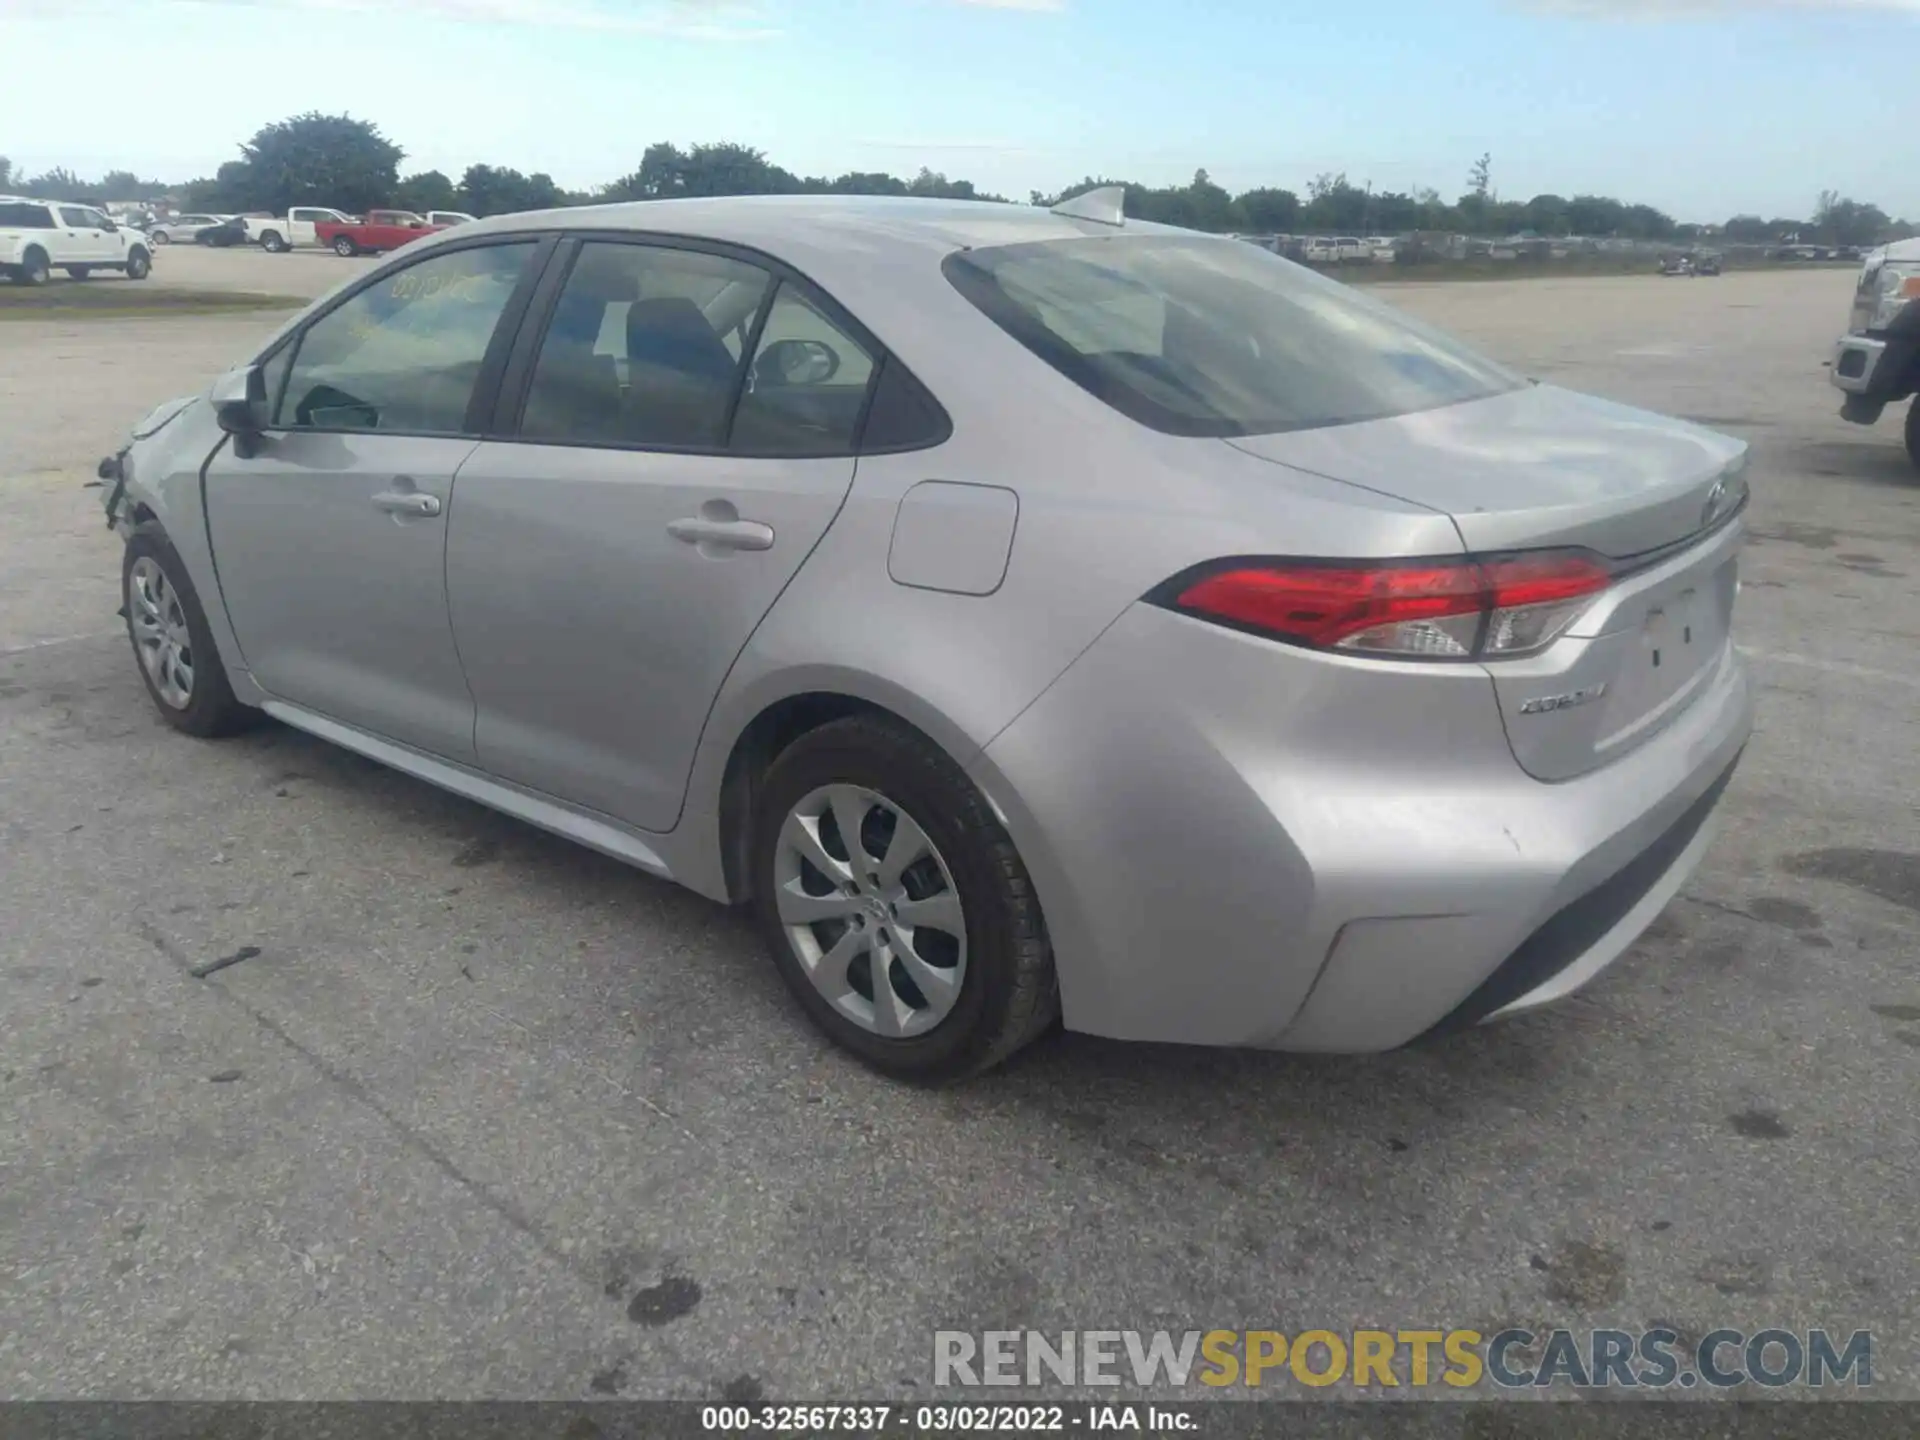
{"x":407,"y":502}
{"x":723,"y":534}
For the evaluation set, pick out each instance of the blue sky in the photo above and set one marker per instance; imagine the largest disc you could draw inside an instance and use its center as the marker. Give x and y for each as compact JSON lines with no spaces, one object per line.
{"x":1703,"y":107}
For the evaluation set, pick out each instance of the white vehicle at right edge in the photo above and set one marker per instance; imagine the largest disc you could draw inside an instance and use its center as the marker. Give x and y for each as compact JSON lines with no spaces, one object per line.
{"x":1877,"y":362}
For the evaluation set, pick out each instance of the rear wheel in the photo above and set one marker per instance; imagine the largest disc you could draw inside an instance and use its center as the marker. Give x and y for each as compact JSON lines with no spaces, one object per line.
{"x":1913,"y":430}
{"x":33,"y":268}
{"x":274,"y":243}
{"x":172,"y":642}
{"x":898,"y":911}
{"x":343,"y":245}
{"x":160,"y":237}
{"x":139,"y":264}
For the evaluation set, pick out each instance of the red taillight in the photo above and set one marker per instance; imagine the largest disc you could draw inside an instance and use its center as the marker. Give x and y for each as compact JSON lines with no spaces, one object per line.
{"x":1455,"y":610}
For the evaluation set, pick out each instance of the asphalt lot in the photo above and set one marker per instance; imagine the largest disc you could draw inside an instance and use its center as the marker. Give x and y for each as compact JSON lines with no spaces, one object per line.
{"x":489,"y":1115}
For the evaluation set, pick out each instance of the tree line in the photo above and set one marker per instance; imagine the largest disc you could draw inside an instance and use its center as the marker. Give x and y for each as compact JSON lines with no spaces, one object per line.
{"x":336,"y":160}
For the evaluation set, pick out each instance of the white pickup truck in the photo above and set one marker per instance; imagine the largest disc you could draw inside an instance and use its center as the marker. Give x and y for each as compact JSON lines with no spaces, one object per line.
{"x":38,"y":237}
{"x":280,"y":233}
{"x":1877,"y":362}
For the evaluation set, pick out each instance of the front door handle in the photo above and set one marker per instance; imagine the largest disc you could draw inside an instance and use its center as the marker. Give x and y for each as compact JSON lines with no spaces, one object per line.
{"x":407,"y":502}
{"x":723,"y":534}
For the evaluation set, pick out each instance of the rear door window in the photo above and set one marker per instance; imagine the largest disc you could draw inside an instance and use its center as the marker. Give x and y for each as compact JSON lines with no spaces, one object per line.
{"x":645,"y":348}
{"x":25,"y":217}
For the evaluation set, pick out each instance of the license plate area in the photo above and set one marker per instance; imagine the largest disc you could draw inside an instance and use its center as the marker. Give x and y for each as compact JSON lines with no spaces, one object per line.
{"x":1681,"y":634}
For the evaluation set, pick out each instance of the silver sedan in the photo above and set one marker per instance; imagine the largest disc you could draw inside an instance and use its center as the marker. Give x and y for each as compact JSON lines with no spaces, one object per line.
{"x":1033,"y":615}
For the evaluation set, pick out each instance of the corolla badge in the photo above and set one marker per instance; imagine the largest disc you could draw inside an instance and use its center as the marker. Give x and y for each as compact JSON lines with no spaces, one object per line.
{"x":1549,"y":704}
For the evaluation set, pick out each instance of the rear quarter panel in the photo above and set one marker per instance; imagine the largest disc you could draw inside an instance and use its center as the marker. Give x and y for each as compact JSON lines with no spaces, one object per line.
{"x":1107,"y":510}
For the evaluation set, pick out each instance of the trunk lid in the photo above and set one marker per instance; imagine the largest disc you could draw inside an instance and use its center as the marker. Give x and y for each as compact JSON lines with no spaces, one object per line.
{"x":1542,"y":468}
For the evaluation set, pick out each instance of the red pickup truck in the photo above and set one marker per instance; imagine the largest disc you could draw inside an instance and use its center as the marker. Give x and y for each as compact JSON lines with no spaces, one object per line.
{"x":378,"y":230}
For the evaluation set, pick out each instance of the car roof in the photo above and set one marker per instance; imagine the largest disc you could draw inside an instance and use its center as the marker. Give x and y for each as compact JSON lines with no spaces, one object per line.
{"x":780,"y":223}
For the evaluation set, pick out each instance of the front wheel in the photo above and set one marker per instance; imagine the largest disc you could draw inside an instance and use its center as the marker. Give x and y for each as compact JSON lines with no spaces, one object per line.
{"x":897,"y":909}
{"x":160,"y":237}
{"x":172,"y":642}
{"x":139,"y":265}
{"x":344,"y":246}
{"x":1913,"y":431}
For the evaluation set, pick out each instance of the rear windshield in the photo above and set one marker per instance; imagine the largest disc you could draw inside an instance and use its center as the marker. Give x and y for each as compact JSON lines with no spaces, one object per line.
{"x":1207,"y":337}
{"x":25,"y":217}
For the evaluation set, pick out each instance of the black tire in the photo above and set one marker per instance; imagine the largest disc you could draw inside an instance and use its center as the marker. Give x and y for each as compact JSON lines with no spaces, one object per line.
{"x":211,"y":709}
{"x":1913,"y":431}
{"x":139,"y":264}
{"x":343,"y":245}
{"x":1008,"y":994}
{"x":33,"y":268}
{"x":274,"y":243}
{"x":79,"y":272}
{"x":160,"y":237}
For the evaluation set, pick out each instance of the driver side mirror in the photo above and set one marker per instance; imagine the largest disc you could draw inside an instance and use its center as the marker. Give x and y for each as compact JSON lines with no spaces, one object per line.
{"x":240,"y":406}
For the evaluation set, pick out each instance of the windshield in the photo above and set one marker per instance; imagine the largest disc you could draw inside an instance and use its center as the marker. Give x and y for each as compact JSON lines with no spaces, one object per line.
{"x":1207,"y":337}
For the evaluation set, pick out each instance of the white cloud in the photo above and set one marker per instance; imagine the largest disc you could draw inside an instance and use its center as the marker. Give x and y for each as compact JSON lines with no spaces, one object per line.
{"x":1683,"y":9}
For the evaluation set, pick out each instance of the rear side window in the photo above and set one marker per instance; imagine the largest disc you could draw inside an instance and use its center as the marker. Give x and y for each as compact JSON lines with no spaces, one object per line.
{"x":25,"y":217}
{"x":806,"y":387}
{"x":1208,"y":337}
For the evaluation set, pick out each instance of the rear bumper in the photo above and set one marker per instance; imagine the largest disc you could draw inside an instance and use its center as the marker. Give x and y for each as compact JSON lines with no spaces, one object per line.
{"x":1263,"y":847}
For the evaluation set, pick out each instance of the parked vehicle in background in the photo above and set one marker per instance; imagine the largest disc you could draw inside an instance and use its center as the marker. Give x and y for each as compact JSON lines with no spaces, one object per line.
{"x":1382,"y":249}
{"x":39,"y":236}
{"x":181,"y":229}
{"x":445,"y":219}
{"x":229,"y":232}
{"x":1319,"y":250}
{"x":1351,"y":247}
{"x":1877,"y":362}
{"x":1676,"y":265}
{"x":1264,"y":668}
{"x":293,"y":230}
{"x":1708,"y":262}
{"x":382,"y":230}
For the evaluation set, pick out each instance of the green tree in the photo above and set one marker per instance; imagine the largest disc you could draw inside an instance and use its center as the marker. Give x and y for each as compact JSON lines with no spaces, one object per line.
{"x":494,"y":190}
{"x":1269,"y":211}
{"x":1748,"y":230}
{"x":1848,"y":222}
{"x":58,"y":183}
{"x":1548,"y":215}
{"x":428,"y":190}
{"x":1480,"y":177}
{"x":6,"y":173}
{"x":316,"y":159}
{"x":1336,"y":204}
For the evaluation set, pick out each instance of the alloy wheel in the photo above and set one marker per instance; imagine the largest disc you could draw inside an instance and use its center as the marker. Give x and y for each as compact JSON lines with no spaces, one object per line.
{"x":160,"y":632}
{"x":870,"y":908}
